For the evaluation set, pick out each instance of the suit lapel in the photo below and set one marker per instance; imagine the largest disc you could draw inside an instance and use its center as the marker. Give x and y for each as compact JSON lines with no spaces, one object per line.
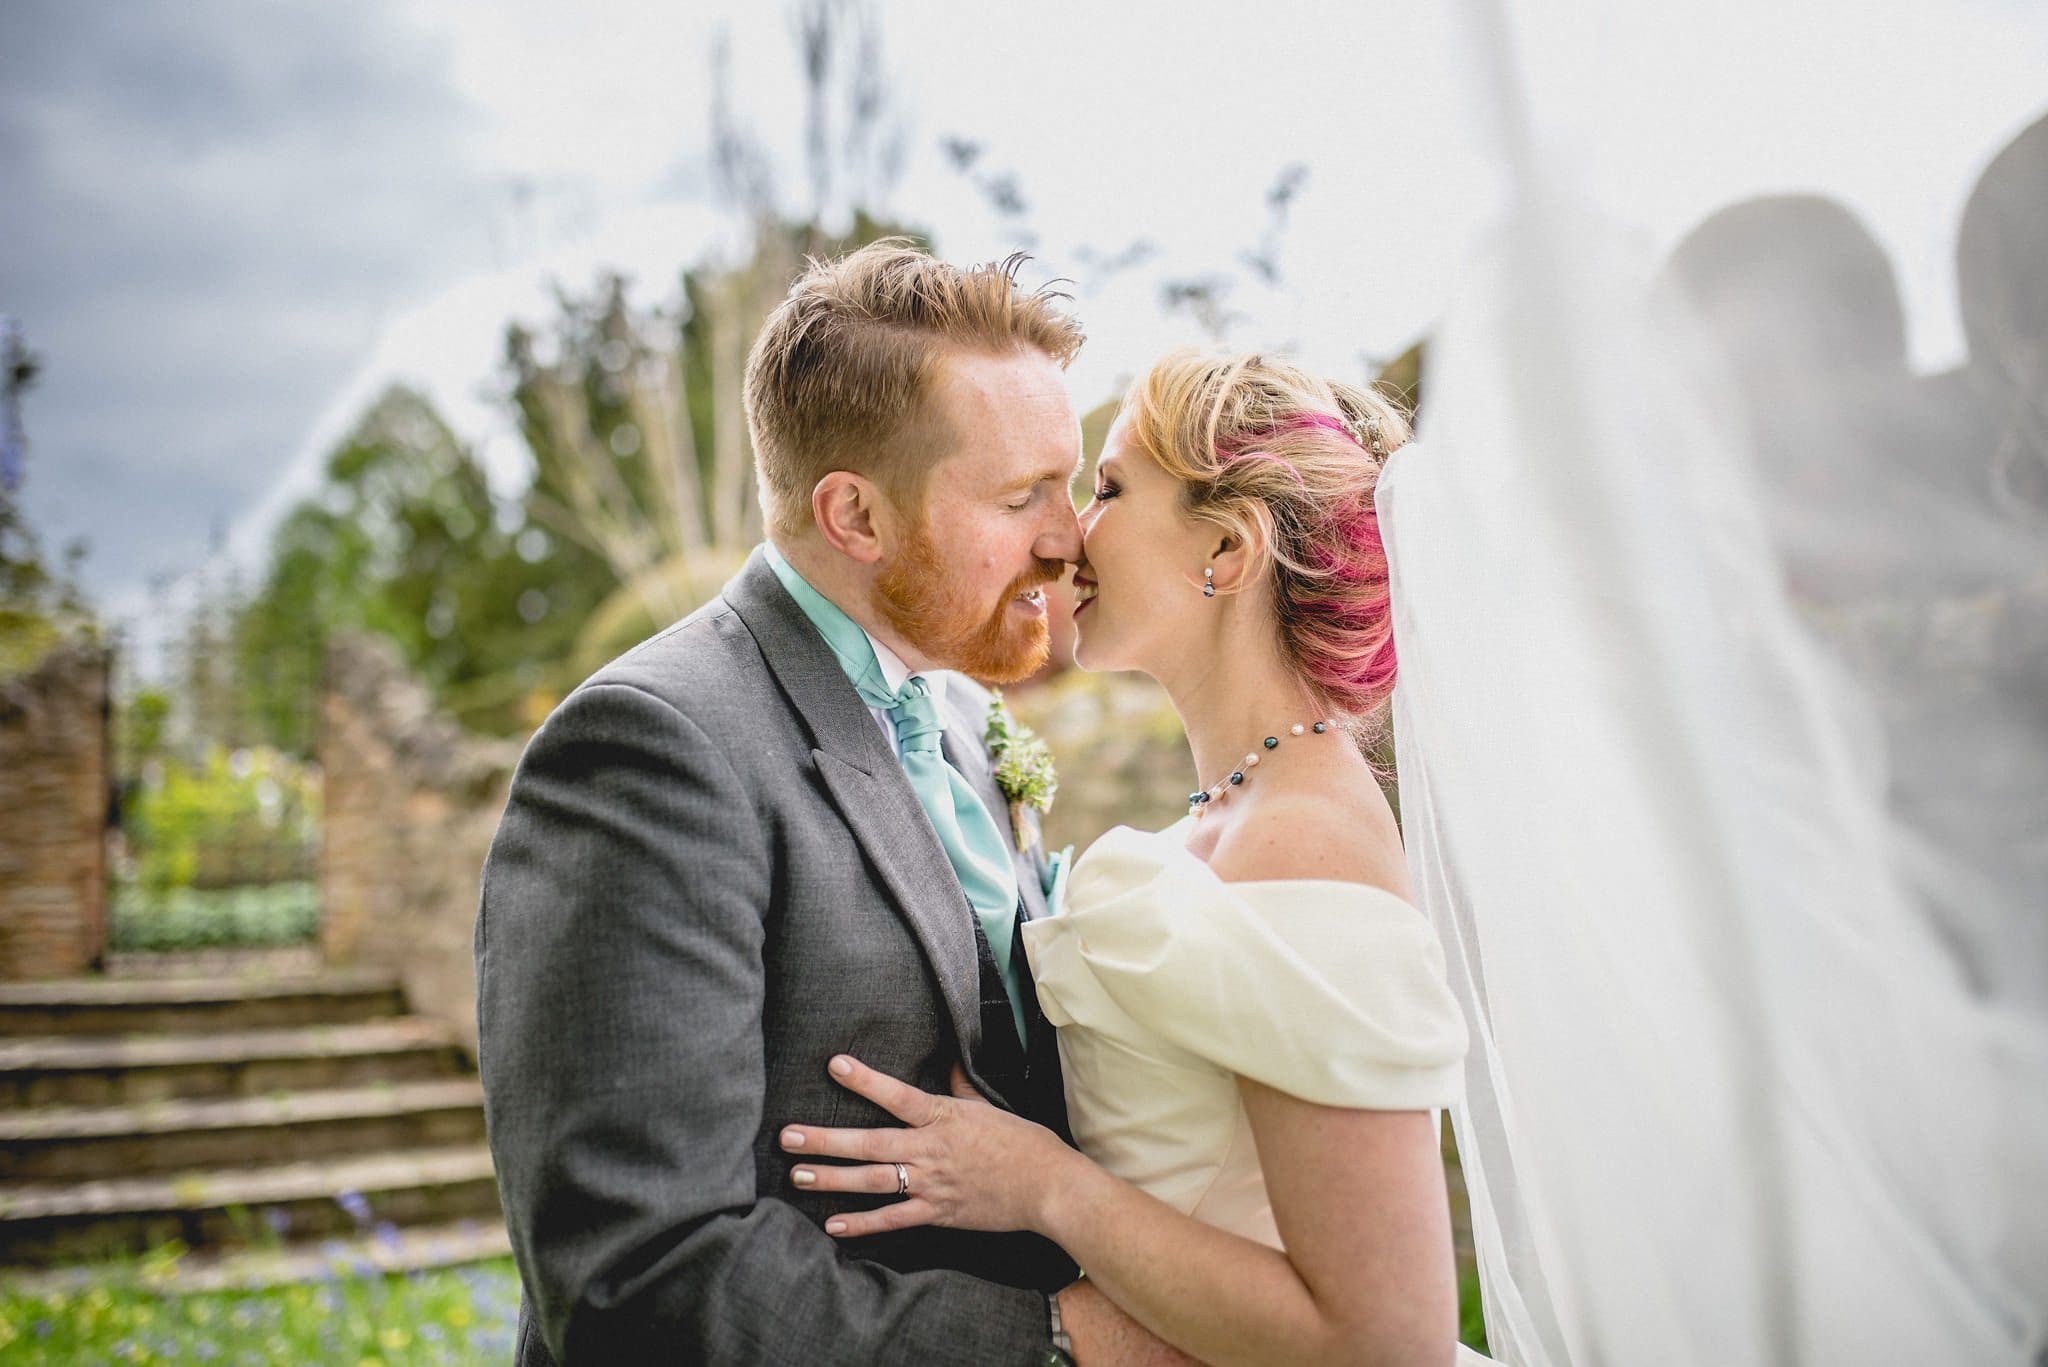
{"x":868,"y":785}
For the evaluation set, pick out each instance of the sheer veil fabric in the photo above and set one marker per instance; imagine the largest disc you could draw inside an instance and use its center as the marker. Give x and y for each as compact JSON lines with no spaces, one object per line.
{"x":1723,"y":761}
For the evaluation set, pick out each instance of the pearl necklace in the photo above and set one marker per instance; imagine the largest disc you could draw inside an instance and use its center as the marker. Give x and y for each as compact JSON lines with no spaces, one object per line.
{"x":1198,"y":803}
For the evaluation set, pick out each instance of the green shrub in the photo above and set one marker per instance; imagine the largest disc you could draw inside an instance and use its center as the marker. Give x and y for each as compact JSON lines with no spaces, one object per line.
{"x":231,"y":818}
{"x":207,"y":918}
{"x":1471,"y":1315}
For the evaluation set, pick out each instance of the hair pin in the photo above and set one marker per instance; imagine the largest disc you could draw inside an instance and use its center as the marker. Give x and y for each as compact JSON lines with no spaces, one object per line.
{"x":1368,"y":433}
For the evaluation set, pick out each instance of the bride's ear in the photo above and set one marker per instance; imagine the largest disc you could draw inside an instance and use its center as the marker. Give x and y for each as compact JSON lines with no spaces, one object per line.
{"x":1236,"y":554}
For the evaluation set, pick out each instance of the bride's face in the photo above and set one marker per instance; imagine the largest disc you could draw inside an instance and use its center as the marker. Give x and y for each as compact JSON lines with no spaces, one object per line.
{"x":1138,"y":589}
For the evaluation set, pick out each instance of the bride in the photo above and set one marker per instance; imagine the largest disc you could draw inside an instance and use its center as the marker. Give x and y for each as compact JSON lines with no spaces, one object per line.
{"x":1254,"y":1021}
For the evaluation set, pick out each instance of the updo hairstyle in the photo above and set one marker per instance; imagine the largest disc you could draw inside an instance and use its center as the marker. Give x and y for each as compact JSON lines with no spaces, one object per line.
{"x":1260,"y":445}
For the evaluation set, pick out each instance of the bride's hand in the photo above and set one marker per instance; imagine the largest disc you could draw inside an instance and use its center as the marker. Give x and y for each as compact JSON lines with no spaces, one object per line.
{"x":969,"y":1165}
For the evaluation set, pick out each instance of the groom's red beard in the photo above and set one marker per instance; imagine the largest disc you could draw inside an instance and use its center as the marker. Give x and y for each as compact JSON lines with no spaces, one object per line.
{"x":914,"y":593}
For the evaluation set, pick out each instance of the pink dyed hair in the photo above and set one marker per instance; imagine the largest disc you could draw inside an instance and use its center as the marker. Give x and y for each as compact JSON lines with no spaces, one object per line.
{"x":1267,"y":451}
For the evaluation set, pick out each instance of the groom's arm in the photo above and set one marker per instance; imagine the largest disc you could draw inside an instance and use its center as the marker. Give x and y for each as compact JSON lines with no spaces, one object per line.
{"x":620,"y":990}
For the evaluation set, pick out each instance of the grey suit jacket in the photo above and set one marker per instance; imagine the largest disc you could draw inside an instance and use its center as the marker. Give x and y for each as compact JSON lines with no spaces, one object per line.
{"x":711,"y":876}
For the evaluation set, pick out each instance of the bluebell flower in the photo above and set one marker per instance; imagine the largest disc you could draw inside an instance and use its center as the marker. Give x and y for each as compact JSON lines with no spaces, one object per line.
{"x":357,"y":1206}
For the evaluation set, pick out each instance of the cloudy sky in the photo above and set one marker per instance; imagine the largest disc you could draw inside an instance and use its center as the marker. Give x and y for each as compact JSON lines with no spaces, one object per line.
{"x":226,"y":224}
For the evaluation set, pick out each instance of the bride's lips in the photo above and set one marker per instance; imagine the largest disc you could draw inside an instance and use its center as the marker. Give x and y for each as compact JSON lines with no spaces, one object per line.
{"x":1085,"y":590}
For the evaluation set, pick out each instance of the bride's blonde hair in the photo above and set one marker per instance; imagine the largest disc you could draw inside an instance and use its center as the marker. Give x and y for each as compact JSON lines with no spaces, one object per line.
{"x":1260,"y":445}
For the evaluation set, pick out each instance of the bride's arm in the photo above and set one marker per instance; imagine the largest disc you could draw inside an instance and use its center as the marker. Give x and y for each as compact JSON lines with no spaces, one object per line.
{"x":1368,"y":1275}
{"x":1358,"y":1197}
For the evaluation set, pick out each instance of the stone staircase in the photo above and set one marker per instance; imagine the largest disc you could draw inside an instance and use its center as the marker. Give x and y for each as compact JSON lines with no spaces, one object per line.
{"x":274,"y":1125}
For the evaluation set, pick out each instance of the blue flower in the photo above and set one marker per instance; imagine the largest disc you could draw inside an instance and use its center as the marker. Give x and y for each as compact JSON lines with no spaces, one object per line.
{"x":355,"y":1204}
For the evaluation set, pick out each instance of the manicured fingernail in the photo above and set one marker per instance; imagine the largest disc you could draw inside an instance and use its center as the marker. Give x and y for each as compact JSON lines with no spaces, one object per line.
{"x":803,"y":1177}
{"x":792,"y":1139}
{"x":841,"y":1066}
{"x":835,"y":1226}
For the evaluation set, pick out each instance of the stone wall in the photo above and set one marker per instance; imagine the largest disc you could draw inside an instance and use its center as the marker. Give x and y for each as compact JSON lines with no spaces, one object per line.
{"x":411,"y":804}
{"x":54,"y":788}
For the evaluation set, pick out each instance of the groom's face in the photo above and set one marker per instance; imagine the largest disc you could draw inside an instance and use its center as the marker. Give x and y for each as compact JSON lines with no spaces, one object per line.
{"x":963,"y":583}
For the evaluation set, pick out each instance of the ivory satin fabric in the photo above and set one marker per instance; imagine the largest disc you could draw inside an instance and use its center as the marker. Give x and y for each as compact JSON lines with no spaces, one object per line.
{"x":1166,"y":984}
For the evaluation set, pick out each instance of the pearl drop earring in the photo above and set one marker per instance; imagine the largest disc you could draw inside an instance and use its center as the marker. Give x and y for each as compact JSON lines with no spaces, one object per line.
{"x":1208,"y":583}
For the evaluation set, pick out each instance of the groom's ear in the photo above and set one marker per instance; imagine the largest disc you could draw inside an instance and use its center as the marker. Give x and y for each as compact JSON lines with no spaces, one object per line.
{"x":850,"y":515}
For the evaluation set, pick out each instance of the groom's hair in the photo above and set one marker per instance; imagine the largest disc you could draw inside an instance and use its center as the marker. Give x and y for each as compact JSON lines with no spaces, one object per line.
{"x":840,"y":377}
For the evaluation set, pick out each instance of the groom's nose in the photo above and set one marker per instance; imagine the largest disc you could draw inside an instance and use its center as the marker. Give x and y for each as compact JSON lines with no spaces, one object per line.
{"x":1061,"y":539}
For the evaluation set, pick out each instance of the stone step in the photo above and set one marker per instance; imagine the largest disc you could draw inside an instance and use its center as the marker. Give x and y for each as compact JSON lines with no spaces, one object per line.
{"x":246,"y":964}
{"x":252,"y":1269}
{"x":118,"y":1070}
{"x":76,"y":1143}
{"x":43,"y":1223}
{"x":129,"y":1005}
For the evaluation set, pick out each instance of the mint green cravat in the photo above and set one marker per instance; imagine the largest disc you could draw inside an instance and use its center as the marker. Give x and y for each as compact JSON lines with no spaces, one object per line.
{"x":973,"y":842}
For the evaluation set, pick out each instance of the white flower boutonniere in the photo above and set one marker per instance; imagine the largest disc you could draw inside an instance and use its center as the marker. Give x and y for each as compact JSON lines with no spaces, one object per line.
{"x":1023,"y":767}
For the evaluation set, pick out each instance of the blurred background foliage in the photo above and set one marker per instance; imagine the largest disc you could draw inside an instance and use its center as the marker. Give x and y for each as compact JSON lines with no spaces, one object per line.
{"x":41,"y":605}
{"x":229,"y":819}
{"x":638,"y":501}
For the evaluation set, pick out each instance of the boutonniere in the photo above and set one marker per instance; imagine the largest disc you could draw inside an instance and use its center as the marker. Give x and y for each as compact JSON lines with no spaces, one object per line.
{"x":1023,"y":766}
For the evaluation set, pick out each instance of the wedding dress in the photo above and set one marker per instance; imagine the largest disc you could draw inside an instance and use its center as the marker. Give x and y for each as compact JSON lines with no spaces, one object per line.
{"x":1167,"y":984}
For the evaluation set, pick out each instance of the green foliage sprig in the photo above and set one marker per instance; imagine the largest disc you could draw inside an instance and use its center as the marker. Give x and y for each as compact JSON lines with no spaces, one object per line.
{"x":1023,"y":764}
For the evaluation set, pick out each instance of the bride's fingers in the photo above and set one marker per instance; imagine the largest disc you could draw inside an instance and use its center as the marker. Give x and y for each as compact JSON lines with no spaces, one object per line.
{"x":962,"y":1088}
{"x":896,"y":1215}
{"x":900,"y":1099}
{"x":870,"y":1146}
{"x":872,"y":1179}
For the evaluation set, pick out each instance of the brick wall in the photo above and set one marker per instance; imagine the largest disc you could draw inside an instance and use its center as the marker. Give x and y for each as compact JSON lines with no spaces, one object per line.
{"x":411,"y":803}
{"x":54,"y":785}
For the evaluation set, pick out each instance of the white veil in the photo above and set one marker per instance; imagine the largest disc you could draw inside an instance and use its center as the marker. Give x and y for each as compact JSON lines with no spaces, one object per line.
{"x":1723,"y":746}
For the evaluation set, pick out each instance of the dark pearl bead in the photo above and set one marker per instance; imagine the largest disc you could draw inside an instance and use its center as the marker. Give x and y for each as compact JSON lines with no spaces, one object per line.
{"x":1322,"y":727}
{"x":1272,"y":742}
{"x":1237,"y":777}
{"x":1197,"y":799}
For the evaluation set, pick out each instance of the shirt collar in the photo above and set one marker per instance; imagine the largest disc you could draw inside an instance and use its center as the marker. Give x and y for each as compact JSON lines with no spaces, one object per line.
{"x":867,"y":662}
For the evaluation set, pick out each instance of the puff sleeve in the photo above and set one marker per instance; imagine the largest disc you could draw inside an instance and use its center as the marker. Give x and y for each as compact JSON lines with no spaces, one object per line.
{"x":1331,"y":992}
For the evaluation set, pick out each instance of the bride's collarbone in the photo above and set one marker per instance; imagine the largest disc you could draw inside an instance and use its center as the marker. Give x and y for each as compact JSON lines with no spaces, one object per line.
{"x":1279,"y":836}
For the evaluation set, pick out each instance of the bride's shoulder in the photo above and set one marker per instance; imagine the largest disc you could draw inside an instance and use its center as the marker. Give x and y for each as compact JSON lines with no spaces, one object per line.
{"x":1308,"y":836}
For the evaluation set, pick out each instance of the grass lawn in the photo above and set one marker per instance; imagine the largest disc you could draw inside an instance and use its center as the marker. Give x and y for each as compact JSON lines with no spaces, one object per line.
{"x":464,"y":1315}
{"x":457,"y":1315}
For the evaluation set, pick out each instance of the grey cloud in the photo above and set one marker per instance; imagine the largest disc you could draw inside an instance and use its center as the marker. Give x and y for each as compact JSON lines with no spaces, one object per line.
{"x":206,"y":211}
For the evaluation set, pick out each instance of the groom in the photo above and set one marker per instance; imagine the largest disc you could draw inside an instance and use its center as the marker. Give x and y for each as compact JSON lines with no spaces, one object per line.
{"x":770,"y":834}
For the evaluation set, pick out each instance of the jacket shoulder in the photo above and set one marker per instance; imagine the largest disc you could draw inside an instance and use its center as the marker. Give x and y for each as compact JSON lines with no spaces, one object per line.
{"x":683,"y":664}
